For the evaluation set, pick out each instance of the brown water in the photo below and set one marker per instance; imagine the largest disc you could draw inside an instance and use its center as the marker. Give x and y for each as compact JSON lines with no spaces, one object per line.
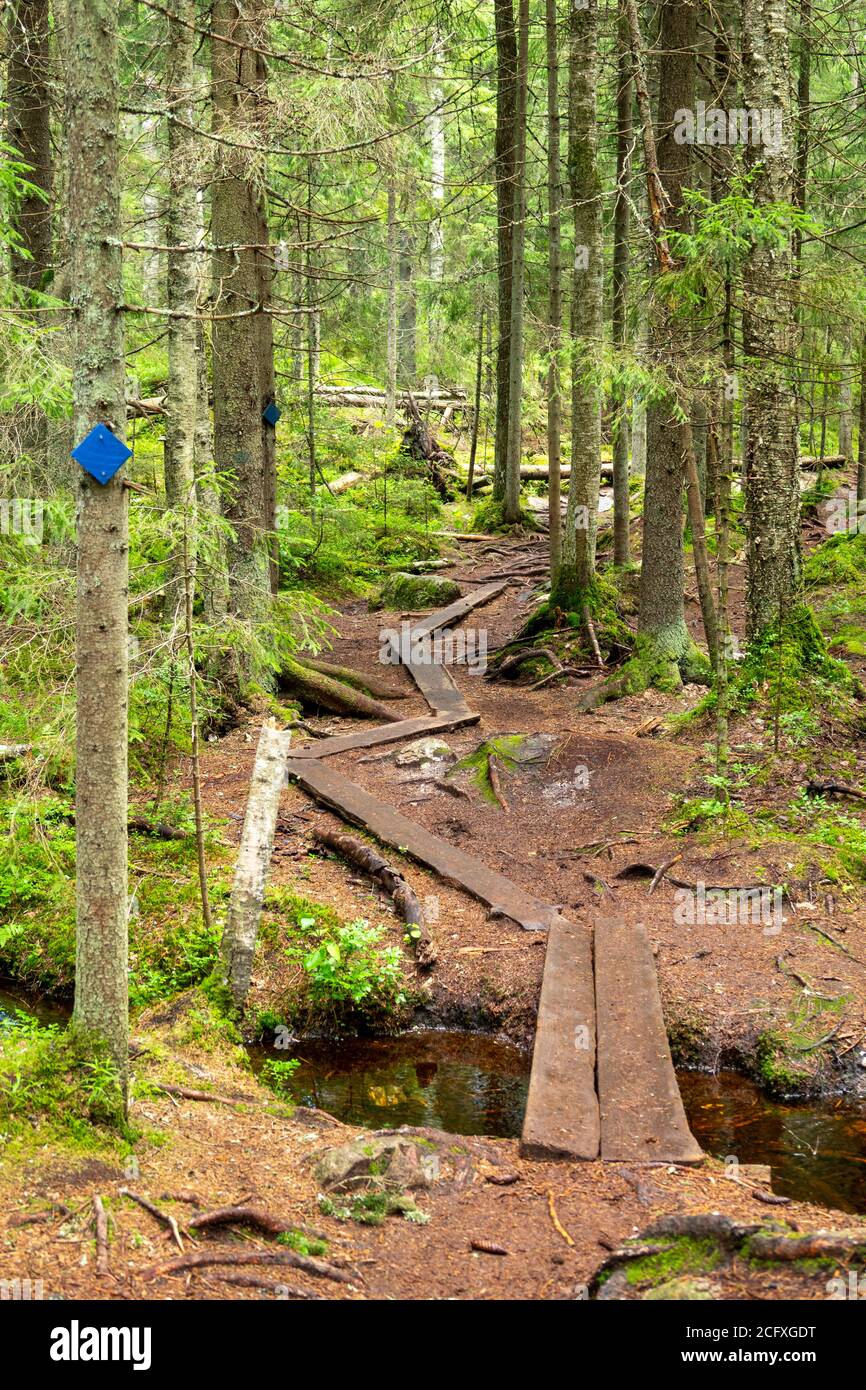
{"x":465,"y":1083}
{"x":817,"y":1151}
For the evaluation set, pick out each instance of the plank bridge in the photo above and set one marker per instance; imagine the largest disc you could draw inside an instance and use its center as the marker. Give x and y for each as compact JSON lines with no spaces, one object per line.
{"x":602,"y":1082}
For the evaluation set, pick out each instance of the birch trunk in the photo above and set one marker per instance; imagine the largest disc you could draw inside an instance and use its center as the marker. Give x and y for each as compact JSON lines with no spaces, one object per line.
{"x":254,"y":859}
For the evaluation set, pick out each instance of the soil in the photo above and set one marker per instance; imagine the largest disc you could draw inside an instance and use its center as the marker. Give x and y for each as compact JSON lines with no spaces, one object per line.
{"x":566,"y":838}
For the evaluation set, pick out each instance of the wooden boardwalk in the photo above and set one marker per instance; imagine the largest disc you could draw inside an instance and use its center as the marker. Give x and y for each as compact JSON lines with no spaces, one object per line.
{"x":602,"y":1082}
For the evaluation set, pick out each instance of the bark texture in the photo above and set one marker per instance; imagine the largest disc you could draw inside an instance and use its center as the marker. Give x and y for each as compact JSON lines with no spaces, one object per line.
{"x":771,"y":484}
{"x":101,"y":999}
{"x":254,"y":859}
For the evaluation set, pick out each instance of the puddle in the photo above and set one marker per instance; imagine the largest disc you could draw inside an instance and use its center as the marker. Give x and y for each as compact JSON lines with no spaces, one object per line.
{"x":464,"y":1083}
{"x":44,"y":1011}
{"x":817,"y":1151}
{"x":468,"y":1083}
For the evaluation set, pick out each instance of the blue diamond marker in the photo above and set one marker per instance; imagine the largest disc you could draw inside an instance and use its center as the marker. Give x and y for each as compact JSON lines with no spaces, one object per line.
{"x":101,"y":453}
{"x":271,"y":413}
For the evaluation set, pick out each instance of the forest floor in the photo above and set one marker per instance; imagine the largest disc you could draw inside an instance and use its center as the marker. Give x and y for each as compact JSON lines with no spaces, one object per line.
{"x":733,"y":995}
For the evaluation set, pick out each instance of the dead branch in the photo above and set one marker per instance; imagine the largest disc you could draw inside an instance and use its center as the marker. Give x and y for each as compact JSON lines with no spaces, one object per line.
{"x":162,"y":1217}
{"x":364,"y":857}
{"x":100,"y":1223}
{"x":201,"y":1259}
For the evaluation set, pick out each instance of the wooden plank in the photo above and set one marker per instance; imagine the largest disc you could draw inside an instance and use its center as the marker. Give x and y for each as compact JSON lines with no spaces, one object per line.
{"x":384,"y":733}
{"x":457,"y":610}
{"x":641,"y":1110}
{"x":438,"y":687}
{"x":562,"y":1108}
{"x":355,"y":804}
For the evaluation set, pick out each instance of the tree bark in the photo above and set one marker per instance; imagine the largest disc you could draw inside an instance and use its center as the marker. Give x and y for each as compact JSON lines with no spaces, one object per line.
{"x":254,"y":860}
{"x":771,"y":483}
{"x":181,"y":230}
{"x":511,"y":508}
{"x":577,"y":566}
{"x":28,"y":97}
{"x":236,"y":341}
{"x":554,"y":271}
{"x":622,"y":221}
{"x":101,"y":997}
{"x":504,"y":164}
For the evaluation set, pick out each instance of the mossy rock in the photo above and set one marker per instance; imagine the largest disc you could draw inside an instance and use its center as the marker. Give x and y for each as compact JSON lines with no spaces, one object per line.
{"x":410,"y":591}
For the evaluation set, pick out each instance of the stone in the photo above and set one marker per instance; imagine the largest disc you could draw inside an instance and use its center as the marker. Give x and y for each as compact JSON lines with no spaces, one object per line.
{"x":412,"y":591}
{"x":375,"y":1161}
{"x":424,"y":750}
{"x":700,"y":1290}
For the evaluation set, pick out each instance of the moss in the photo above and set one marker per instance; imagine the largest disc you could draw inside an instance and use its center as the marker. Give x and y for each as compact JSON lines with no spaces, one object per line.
{"x":489,"y":516}
{"x":410,"y":591}
{"x":687,"y":1255}
{"x":506,"y":748}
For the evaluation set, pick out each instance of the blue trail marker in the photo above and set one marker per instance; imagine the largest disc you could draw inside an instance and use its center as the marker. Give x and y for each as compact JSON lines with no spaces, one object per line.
{"x":271,"y":413}
{"x":101,"y":453}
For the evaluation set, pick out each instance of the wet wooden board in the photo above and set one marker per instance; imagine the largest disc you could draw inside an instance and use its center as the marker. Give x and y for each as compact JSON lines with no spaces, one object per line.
{"x":562,"y":1108}
{"x":641,"y":1110}
{"x":384,"y":733}
{"x":355,"y":804}
{"x":438,"y":688}
{"x":457,"y":610}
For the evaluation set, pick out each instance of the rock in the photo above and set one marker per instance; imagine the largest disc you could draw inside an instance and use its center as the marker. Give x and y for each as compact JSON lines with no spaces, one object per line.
{"x":410,"y":591}
{"x":424,"y":750}
{"x":701,"y":1290}
{"x":375,"y":1161}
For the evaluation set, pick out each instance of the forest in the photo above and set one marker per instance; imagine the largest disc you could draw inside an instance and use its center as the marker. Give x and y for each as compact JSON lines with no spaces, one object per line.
{"x":432,"y":658}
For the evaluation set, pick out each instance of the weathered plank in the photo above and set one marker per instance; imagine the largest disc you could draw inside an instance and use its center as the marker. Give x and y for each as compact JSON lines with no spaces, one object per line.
{"x":384,"y":733}
{"x":355,"y":804}
{"x":561,"y":1118}
{"x":641,"y":1110}
{"x":457,"y":610}
{"x":438,"y":687}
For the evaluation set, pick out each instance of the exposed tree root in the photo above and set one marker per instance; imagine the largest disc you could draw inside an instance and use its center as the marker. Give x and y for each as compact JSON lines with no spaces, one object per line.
{"x":363,"y":856}
{"x":315,"y":688}
{"x":320,"y":1268}
{"x":250,"y":1216}
{"x":665,"y":662}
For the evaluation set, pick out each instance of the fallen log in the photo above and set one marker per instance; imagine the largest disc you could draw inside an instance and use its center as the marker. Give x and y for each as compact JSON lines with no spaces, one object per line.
{"x":8,"y":751}
{"x":315,"y":688}
{"x":254,"y":859}
{"x":369,"y":684}
{"x":366,"y":858}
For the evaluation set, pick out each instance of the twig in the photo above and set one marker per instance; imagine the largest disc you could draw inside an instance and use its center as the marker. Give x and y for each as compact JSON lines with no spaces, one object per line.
{"x":100,"y":1220}
{"x":495,"y":781}
{"x":558,"y":1226}
{"x":162,"y":1217}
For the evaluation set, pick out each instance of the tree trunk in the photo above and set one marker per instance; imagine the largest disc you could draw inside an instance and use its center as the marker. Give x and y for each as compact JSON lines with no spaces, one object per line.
{"x":554,"y":270}
{"x":28,"y":99}
{"x":661,"y":626}
{"x":254,"y":860}
{"x":861,"y":433}
{"x":182,"y":230}
{"x":622,"y":220}
{"x":577,"y":567}
{"x":406,"y":345}
{"x":504,"y":163}
{"x":771,"y":483}
{"x":235,"y":221}
{"x":511,"y":508}
{"x":391,"y":316}
{"x":101,"y":998}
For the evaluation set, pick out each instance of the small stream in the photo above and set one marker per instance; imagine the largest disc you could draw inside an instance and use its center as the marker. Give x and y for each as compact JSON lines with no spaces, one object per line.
{"x":469,"y":1083}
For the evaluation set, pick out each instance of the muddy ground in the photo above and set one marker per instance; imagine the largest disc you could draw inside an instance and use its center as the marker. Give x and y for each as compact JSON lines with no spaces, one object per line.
{"x":565,"y":837}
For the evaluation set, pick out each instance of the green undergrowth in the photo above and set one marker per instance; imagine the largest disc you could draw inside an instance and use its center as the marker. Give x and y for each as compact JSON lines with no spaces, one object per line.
{"x":341,"y":975}
{"x":60,"y":1084}
{"x":169,"y":949}
{"x":489,"y":516}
